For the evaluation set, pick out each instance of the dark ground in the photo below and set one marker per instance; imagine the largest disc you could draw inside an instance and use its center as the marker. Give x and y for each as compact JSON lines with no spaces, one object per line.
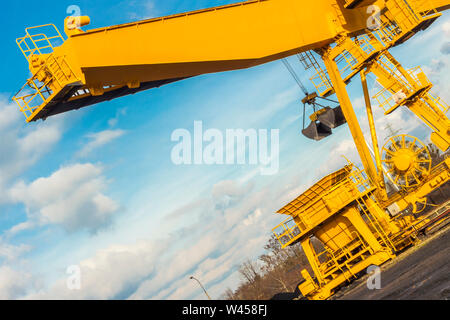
{"x":420,"y":273}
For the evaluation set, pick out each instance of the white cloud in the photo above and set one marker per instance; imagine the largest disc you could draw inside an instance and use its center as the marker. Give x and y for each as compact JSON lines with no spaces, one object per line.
{"x":438,"y":71}
{"x":71,"y":197}
{"x":99,"y":139}
{"x":336,"y":159}
{"x":446,"y":28}
{"x":9,"y":252}
{"x":150,"y":9}
{"x":228,"y":192}
{"x":211,"y":248}
{"x":22,"y":145}
{"x":143,"y":10}
{"x":110,"y":272}
{"x":14,"y":284}
{"x":114,"y":121}
{"x":277,"y":103}
{"x":253,"y":218}
{"x":225,"y":241}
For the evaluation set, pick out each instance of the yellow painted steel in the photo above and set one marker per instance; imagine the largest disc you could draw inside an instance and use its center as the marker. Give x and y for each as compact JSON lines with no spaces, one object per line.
{"x":348,"y":211}
{"x":412,"y":89}
{"x":110,"y":62}
{"x":347,"y":108}
{"x":339,"y":211}
{"x":371,"y":228}
{"x":407,"y":159}
{"x":356,"y":231}
{"x":373,"y":134}
{"x":321,"y":202}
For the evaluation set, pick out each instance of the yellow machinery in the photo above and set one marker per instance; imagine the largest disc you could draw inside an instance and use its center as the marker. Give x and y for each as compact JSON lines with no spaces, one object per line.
{"x":343,"y":213}
{"x":349,"y":211}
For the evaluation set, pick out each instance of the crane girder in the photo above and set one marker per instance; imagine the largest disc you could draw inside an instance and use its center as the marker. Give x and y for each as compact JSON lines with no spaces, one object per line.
{"x":105,"y":63}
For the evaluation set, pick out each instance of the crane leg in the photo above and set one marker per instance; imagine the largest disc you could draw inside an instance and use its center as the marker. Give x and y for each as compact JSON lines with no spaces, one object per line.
{"x":373,"y":134}
{"x":347,"y":109}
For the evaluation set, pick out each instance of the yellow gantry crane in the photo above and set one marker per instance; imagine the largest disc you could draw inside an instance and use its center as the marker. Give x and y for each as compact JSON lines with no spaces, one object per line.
{"x":349,"y":211}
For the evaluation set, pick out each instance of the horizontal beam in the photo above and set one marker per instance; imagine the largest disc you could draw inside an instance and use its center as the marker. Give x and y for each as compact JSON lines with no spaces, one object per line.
{"x":140,"y":55}
{"x":231,"y":37}
{"x":225,"y":38}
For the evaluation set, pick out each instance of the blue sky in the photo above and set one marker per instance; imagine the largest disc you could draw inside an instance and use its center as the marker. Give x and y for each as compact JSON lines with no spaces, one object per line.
{"x":97,"y":187}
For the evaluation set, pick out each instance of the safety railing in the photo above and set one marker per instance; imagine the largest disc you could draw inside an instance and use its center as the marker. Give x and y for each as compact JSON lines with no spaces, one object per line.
{"x":334,"y":263}
{"x":439,"y":103}
{"x":39,"y":90}
{"x":33,"y":94}
{"x":360,"y":180}
{"x":346,"y":62}
{"x":320,"y":79}
{"x":387,"y":31}
{"x":286,"y":232}
{"x":355,"y":185}
{"x":322,"y":83}
{"x":401,"y":90}
{"x":403,"y":18}
{"x":40,"y":40}
{"x":374,"y":223}
{"x":350,"y":56}
{"x":355,"y":53}
{"x":306,"y":59}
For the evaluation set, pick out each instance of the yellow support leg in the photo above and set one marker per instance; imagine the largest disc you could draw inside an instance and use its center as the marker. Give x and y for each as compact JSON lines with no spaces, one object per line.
{"x":346,"y":105}
{"x":373,"y":133}
{"x":311,"y":256}
{"x":354,"y":216}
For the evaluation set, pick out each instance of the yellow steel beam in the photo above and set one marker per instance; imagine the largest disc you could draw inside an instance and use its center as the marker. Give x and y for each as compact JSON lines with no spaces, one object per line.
{"x":311,"y":255}
{"x":111,"y":62}
{"x":352,"y":120}
{"x":440,"y":5}
{"x":373,"y":134}
{"x":212,"y":40}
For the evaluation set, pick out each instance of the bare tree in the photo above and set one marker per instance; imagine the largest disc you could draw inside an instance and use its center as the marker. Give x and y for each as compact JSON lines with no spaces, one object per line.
{"x":278,"y":270}
{"x":228,"y":295}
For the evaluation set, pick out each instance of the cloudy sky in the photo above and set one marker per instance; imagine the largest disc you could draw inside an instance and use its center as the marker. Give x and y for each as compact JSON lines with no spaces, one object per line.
{"x":96,"y":188}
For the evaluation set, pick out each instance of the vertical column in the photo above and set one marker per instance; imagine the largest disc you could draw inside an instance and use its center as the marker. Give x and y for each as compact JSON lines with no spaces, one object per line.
{"x":347,"y":108}
{"x":353,"y":215}
{"x":311,"y":255}
{"x":373,"y":134}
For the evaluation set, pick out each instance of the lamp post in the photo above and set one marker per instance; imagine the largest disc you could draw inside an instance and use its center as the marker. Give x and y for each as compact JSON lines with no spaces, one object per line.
{"x":193,"y":278}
